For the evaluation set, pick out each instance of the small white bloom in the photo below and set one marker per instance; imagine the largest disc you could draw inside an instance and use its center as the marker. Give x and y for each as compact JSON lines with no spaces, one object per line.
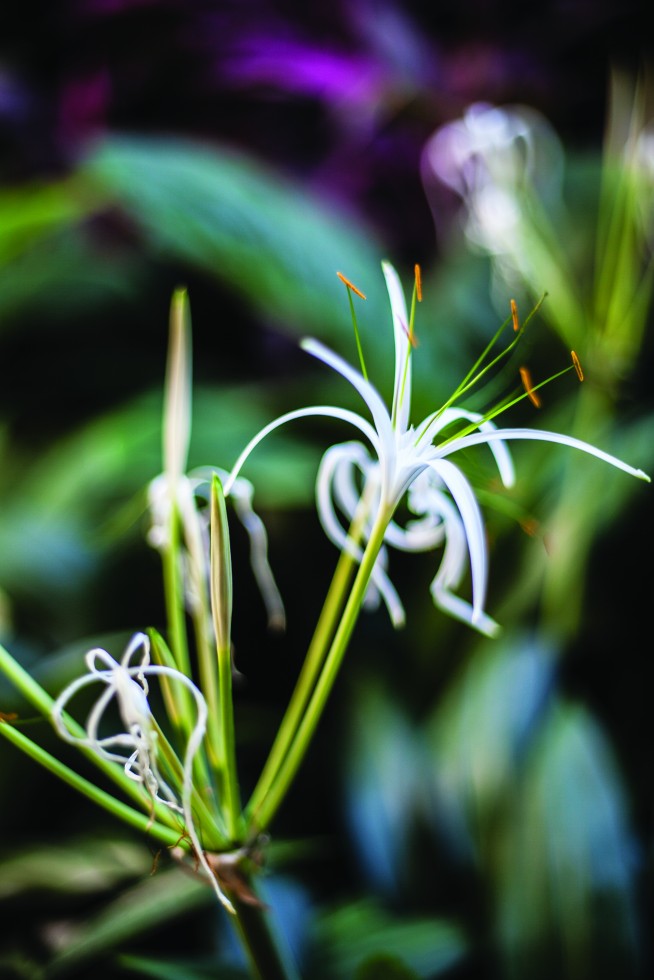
{"x":409,"y":460}
{"x":135,"y":747}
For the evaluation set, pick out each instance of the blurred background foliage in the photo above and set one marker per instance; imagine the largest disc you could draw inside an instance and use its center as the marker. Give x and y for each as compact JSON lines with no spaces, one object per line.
{"x":473,"y":808}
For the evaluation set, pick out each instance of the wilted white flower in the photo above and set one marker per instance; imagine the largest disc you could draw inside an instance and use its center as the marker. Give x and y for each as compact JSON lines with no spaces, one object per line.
{"x":175,"y":492}
{"x":134,"y":746}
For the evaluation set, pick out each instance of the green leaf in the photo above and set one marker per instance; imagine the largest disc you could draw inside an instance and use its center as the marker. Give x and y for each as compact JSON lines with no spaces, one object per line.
{"x":148,"y":904}
{"x":565,"y":869}
{"x":270,"y":240}
{"x":354,"y":937}
{"x":83,"y":865}
{"x":180,"y":969}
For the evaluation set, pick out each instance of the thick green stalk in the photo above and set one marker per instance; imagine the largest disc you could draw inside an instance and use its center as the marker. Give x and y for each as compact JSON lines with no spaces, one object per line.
{"x":267,"y":959}
{"x":261,"y":816}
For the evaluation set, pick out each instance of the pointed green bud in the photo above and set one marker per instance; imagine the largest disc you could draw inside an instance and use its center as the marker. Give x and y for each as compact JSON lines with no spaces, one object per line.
{"x":221,"y":567}
{"x":177,"y":406}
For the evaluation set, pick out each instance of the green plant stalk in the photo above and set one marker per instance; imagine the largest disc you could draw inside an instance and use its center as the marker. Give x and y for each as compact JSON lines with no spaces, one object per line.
{"x":170,"y":836}
{"x":232,"y":800}
{"x":323,"y":634}
{"x":260,"y":815}
{"x":43,"y":703}
{"x":209,"y":684}
{"x":265,"y":957}
{"x":175,"y":610}
{"x":201,"y":769}
{"x":214,"y":834}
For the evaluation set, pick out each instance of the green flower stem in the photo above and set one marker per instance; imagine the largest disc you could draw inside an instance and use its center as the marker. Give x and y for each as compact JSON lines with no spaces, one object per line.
{"x":209,"y":684}
{"x":323,"y":634}
{"x":43,"y":703}
{"x":267,"y":959}
{"x":262,"y":813}
{"x":231,"y":799}
{"x":213,"y":831}
{"x":170,"y":836}
{"x":175,"y":613}
{"x":201,"y":767}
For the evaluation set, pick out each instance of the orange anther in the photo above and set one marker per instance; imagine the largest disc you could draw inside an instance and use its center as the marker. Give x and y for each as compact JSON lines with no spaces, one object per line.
{"x":577,"y":365}
{"x":528,"y":386}
{"x":514,"y":315}
{"x":418,"y":275}
{"x":350,"y":285}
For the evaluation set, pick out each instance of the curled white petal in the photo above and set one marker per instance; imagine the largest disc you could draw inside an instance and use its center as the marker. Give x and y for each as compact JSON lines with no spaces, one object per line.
{"x":125,"y":684}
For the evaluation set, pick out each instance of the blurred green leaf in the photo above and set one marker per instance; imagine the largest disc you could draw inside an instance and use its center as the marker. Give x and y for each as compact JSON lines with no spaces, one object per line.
{"x":31,"y":212}
{"x":351,"y":939}
{"x":267,"y":238}
{"x":150,"y":903}
{"x":79,"y":866}
{"x":480,"y":732}
{"x":385,"y":785}
{"x":566,"y":863}
{"x":180,"y":970}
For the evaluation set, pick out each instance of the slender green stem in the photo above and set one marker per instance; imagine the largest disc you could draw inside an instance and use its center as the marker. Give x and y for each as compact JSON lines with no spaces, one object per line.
{"x":167,"y":835}
{"x":209,"y":683}
{"x":323,"y":634}
{"x":174,"y":596}
{"x":214,"y":835}
{"x":41,"y":700}
{"x":231,"y":798}
{"x":261,"y":815}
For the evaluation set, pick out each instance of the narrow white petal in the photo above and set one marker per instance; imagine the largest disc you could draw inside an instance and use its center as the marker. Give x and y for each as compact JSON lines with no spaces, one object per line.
{"x":368,"y":392}
{"x":328,"y":411}
{"x":473,"y":525}
{"x":475,"y":438}
{"x":402,"y":385}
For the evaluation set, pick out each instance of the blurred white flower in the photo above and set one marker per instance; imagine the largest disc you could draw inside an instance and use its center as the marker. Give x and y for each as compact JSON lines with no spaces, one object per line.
{"x":502,"y":162}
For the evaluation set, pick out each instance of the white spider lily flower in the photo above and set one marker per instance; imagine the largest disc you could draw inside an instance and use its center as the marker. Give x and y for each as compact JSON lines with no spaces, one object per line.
{"x":409,"y":460}
{"x":135,"y":747}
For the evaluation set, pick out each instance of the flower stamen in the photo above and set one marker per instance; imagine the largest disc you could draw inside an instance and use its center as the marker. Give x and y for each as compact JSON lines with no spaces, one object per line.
{"x":525,"y":375}
{"x":418,"y":277}
{"x":577,"y":366}
{"x":514,"y":316}
{"x":350,"y":285}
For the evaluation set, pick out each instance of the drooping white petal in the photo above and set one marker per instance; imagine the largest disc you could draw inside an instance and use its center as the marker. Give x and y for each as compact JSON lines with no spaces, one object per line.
{"x":476,"y":438}
{"x":368,"y":392}
{"x":402,"y":384}
{"x":327,"y":411}
{"x":348,"y":455}
{"x":450,"y":573}
{"x":473,"y":525}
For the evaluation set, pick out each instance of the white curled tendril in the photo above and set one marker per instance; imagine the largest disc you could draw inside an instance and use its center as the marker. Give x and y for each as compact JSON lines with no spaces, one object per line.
{"x":136,"y":746}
